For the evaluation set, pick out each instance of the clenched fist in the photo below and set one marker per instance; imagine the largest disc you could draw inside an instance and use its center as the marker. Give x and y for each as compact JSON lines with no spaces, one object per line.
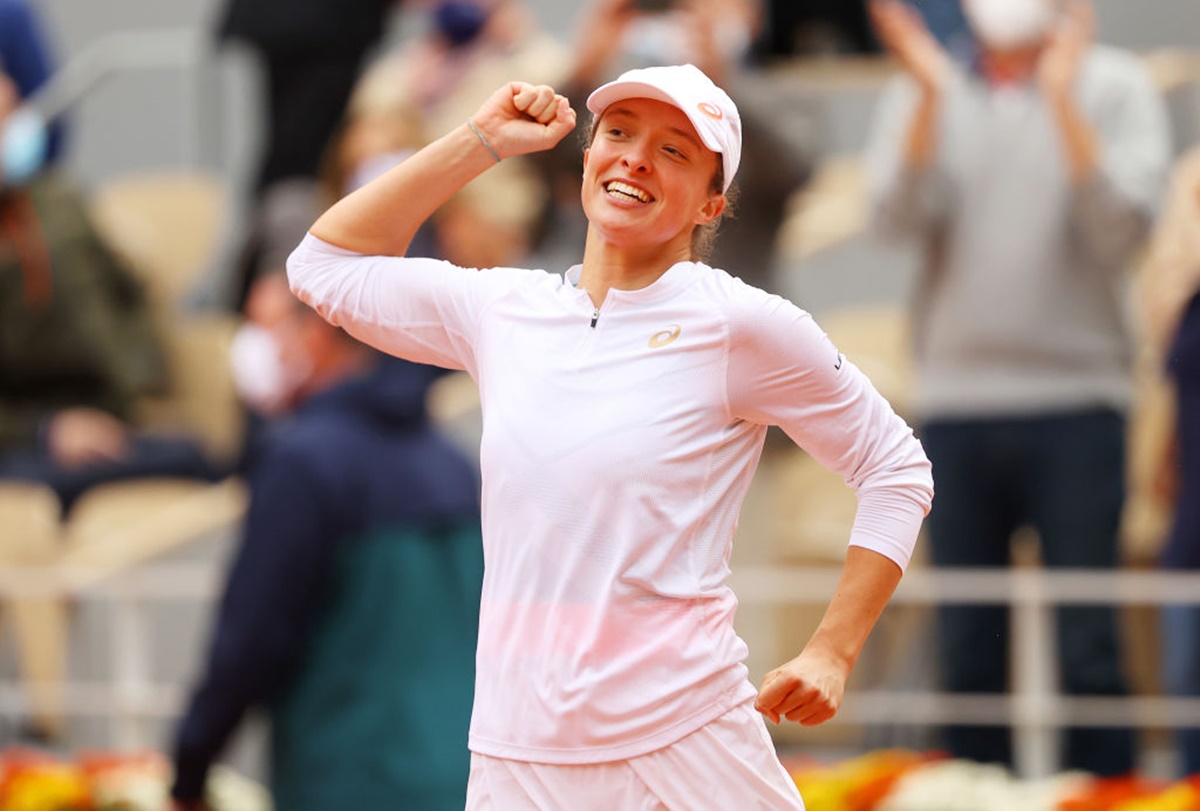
{"x":807,"y":690}
{"x":520,"y":118}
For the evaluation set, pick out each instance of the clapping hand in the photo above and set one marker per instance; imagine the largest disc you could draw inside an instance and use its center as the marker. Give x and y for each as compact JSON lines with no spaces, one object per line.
{"x":1065,"y":50}
{"x":81,"y":436}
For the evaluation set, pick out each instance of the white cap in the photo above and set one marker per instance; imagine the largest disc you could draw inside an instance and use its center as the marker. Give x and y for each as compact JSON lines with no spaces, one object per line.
{"x":707,"y":106}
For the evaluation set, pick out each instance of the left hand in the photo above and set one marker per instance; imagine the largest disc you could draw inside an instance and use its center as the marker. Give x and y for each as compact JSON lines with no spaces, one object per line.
{"x":807,"y":690}
{"x":1066,"y":48}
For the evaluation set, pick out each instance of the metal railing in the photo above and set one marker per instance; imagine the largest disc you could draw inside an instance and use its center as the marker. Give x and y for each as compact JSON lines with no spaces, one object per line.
{"x":1035,"y":709}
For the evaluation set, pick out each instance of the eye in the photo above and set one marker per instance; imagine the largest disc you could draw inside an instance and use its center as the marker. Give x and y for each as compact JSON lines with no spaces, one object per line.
{"x":675,"y":152}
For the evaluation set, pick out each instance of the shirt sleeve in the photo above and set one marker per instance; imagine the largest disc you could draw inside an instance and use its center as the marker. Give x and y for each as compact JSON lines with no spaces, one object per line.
{"x":1113,"y":210}
{"x":785,"y":371}
{"x":423,"y":310}
{"x":904,"y":201}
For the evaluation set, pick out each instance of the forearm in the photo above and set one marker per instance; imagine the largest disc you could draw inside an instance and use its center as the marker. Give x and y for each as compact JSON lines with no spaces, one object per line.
{"x":382,"y":217}
{"x":1079,"y":141}
{"x":867,"y":583}
{"x":212,"y":717}
{"x":809,"y":688}
{"x":920,"y":142}
{"x":909,"y":194}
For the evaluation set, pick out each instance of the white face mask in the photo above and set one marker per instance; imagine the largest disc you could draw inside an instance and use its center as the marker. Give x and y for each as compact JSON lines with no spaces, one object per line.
{"x":24,"y":142}
{"x":262,"y":379}
{"x":1009,"y":24}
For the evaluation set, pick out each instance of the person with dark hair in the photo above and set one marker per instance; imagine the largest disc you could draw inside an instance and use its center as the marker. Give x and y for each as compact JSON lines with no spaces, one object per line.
{"x":625,"y":407}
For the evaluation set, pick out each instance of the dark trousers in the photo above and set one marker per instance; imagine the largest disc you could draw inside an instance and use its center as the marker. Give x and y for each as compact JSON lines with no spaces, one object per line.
{"x":149,"y":456}
{"x":1064,"y":476}
{"x":306,"y":100}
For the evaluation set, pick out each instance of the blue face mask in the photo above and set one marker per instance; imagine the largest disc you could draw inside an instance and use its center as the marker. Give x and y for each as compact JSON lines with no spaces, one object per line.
{"x":459,"y":21}
{"x":24,"y":142}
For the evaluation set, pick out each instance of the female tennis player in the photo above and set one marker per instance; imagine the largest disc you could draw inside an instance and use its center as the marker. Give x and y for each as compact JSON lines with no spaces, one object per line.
{"x":625,"y":404}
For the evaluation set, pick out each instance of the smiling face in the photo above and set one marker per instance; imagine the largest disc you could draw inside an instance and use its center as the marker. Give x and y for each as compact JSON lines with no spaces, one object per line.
{"x":648,"y":180}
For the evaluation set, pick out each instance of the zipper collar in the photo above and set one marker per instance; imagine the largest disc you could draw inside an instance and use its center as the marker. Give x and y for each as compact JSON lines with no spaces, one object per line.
{"x":673,"y":279}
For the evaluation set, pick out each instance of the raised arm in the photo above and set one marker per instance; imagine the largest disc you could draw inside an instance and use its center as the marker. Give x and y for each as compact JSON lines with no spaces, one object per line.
{"x":902,"y":31}
{"x":1118,"y":159}
{"x":906,"y":195}
{"x":382,"y":217}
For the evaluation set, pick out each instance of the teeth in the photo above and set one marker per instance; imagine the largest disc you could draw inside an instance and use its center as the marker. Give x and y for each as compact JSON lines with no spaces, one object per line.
{"x":628,"y":191}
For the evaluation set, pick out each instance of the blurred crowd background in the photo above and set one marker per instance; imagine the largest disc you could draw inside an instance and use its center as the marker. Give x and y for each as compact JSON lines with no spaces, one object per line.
{"x":189,"y":145}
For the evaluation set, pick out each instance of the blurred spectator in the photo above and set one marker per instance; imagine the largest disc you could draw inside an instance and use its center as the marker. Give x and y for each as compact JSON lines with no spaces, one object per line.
{"x":443,"y":77}
{"x":1029,"y":181}
{"x":799,"y":28}
{"x":815,"y":27}
{"x":715,"y":36}
{"x":1171,"y":316}
{"x":310,"y":53}
{"x":78,"y":347}
{"x":350,"y":614}
{"x":25,"y":56}
{"x":370,"y":140}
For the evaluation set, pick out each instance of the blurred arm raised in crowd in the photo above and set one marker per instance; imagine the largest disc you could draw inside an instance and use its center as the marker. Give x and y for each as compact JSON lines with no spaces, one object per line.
{"x":906,"y":196}
{"x":1119,"y":160}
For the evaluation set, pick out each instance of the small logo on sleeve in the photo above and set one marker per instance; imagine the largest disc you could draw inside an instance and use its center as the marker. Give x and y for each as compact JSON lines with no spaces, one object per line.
{"x":668,"y":335}
{"x":837,"y":364}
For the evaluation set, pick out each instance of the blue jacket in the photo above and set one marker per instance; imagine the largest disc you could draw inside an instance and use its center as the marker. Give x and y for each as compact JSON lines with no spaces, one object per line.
{"x":351,"y":610}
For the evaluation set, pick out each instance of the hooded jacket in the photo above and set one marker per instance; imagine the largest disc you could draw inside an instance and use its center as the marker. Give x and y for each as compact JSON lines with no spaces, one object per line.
{"x":351,"y":609}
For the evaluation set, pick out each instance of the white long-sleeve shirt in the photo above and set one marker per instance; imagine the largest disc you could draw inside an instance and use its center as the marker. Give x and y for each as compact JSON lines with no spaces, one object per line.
{"x":617,"y":447}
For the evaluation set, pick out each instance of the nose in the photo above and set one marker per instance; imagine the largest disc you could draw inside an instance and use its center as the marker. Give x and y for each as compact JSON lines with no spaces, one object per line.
{"x":636,"y":157}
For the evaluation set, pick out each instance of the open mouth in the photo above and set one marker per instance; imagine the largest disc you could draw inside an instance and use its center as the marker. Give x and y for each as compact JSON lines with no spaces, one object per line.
{"x":623,"y":191}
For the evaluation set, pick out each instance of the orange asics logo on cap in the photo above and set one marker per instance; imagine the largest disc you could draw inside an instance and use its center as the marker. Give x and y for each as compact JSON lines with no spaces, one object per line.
{"x":711,"y":110}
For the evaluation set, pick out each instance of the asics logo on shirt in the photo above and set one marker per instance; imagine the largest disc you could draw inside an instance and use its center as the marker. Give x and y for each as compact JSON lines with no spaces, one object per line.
{"x":661,"y":339}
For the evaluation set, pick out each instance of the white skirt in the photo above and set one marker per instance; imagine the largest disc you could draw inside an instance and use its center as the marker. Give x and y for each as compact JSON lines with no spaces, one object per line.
{"x":727,"y":765}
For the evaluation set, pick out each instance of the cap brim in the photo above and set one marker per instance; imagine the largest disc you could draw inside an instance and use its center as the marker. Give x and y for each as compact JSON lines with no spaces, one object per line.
{"x":607,"y":95}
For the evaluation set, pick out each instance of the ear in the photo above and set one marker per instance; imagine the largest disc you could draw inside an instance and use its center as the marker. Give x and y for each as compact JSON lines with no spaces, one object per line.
{"x":712,"y":208}
{"x":586,"y":151}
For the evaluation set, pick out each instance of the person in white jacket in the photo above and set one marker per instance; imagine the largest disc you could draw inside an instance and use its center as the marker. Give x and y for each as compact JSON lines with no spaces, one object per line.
{"x":625,"y":405}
